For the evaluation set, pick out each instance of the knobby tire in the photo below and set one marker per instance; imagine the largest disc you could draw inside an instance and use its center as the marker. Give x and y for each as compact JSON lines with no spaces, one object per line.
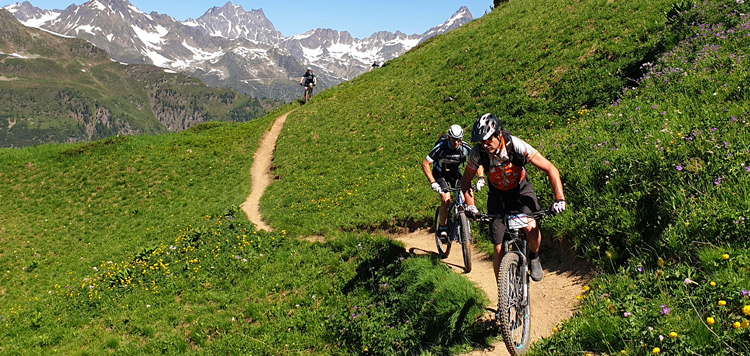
{"x":513,"y":309}
{"x":443,"y":249}
{"x":465,"y":240}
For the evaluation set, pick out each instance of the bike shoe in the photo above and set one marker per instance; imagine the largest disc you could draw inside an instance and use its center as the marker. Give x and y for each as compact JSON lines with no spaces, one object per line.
{"x":536,"y":269}
{"x":442,"y":233}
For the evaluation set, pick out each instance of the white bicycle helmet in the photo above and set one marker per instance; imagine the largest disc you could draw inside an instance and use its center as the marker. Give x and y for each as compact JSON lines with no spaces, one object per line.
{"x":456,"y":132}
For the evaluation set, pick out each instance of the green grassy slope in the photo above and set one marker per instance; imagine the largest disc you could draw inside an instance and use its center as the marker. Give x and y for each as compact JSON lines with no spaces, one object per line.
{"x":531,"y":63}
{"x":136,"y":245}
{"x":647,"y":123}
{"x":641,"y":168}
{"x":57,"y":89}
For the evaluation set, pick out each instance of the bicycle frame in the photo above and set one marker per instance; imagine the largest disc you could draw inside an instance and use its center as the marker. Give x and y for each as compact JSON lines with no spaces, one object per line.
{"x":512,"y":243}
{"x":514,"y":309}
{"x":457,"y":206}
{"x":308,"y":90}
{"x":458,"y":226}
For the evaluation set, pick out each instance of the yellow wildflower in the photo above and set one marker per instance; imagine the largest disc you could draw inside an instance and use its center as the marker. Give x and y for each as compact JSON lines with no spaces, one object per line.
{"x":673,"y":335}
{"x":722,"y":303}
{"x":746,"y":310}
{"x":656,"y":350}
{"x":710,"y":320}
{"x":737,"y":325}
{"x":725,"y":256}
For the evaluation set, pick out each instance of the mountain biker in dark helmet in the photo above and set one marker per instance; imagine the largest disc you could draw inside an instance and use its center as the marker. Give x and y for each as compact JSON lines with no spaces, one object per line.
{"x":449,"y":153}
{"x":503,"y":158}
{"x":308,"y":78}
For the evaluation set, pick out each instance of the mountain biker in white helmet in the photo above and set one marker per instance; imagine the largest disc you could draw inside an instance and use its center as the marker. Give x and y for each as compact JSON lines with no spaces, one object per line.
{"x":308,"y":79}
{"x":449,"y":153}
{"x":503,"y":158}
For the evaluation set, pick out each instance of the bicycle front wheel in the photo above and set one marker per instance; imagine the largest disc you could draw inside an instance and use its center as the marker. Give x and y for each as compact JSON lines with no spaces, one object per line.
{"x":513,"y":305}
{"x":465,"y":239}
{"x":443,"y":249}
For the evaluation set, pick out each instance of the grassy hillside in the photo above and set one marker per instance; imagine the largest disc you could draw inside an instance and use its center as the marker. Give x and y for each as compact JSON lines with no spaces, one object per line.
{"x":642,"y":106}
{"x":59,"y":89}
{"x":133,"y":245}
{"x":534,"y":64}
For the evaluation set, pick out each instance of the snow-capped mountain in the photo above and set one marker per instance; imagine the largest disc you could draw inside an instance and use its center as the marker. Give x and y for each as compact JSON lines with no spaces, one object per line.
{"x":233,"y":22}
{"x":227,"y":46}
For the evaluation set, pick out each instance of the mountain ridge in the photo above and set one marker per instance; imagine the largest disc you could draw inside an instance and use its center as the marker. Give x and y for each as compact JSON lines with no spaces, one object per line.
{"x":212,"y":46}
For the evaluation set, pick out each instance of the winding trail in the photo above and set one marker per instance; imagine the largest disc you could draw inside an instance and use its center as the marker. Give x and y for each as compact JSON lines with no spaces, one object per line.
{"x":552,"y":300}
{"x":261,"y":173}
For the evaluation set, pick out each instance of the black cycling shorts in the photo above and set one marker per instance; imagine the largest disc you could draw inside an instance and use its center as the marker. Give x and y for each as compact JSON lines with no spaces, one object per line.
{"x":452,"y":180}
{"x":521,"y":199}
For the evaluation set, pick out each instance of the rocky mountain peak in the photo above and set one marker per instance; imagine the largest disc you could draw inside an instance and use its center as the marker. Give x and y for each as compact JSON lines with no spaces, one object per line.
{"x":232,"y":21}
{"x":227,"y":46}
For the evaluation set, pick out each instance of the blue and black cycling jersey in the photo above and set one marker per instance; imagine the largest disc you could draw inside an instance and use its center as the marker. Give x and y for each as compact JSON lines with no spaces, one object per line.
{"x":448,"y":161}
{"x":309,"y":78}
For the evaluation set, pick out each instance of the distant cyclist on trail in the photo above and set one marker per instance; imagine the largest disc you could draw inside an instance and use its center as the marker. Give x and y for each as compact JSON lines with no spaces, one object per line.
{"x":308,"y":80}
{"x":448,"y":155}
{"x":503,"y":158}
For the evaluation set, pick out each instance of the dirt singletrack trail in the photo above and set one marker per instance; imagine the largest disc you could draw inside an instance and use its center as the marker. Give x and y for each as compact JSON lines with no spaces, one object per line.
{"x":552,"y":300}
{"x":261,"y":173}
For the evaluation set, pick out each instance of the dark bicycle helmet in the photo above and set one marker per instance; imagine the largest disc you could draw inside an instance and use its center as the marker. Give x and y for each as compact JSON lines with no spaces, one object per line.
{"x":456,"y":132}
{"x":485,"y":127}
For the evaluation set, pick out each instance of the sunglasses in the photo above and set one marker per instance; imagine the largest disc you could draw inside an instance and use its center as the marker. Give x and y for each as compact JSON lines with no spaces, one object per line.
{"x":488,"y":141}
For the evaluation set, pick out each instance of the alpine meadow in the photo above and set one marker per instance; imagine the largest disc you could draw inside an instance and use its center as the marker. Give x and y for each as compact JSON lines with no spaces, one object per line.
{"x":137,"y":245}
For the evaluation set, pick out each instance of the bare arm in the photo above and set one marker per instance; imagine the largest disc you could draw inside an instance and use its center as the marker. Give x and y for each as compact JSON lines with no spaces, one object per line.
{"x":427,"y":170}
{"x":554,"y":175}
{"x":466,"y":186}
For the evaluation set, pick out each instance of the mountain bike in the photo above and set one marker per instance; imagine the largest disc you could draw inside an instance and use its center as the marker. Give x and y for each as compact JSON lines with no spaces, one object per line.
{"x":458,"y":228}
{"x":308,"y":92}
{"x":513,"y":300}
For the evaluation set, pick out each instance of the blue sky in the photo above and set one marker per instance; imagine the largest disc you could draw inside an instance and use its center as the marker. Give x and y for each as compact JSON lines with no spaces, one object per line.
{"x":292,"y":17}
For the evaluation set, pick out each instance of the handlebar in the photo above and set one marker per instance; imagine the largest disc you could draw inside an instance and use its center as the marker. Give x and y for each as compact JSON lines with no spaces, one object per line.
{"x":451,"y":189}
{"x":537,"y":215}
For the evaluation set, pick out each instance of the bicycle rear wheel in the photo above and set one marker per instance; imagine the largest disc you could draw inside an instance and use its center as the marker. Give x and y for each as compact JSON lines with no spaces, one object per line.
{"x":513,"y":305}
{"x":465,"y":239}
{"x":444,"y":249}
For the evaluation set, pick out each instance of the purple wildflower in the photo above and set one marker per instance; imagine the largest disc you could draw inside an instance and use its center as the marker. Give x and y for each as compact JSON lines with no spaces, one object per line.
{"x":745,"y":293}
{"x":627,"y":314}
{"x":665,"y":310}
{"x":678,"y":167}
